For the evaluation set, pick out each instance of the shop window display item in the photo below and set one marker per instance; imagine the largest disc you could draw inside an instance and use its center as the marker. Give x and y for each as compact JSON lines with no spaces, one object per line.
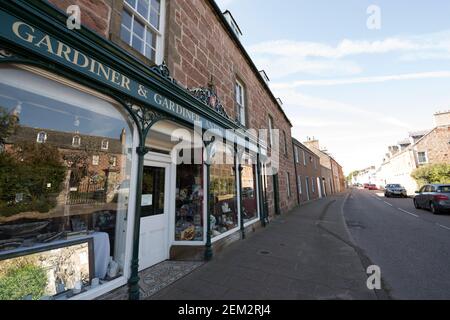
{"x":189,"y":203}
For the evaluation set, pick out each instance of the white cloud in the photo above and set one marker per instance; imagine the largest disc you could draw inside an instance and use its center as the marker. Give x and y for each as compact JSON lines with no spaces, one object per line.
{"x":361,"y":80}
{"x":344,"y":48}
{"x":286,"y":57}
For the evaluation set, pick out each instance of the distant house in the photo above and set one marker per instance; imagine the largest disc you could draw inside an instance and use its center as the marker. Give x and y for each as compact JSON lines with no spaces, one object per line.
{"x":419,"y":149}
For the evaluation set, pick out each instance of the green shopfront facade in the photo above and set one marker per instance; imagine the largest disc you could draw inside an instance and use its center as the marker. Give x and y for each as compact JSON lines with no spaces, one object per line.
{"x":108,"y":166}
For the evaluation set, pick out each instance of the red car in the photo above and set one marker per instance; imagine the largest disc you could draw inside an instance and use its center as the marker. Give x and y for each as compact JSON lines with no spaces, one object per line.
{"x":366,"y":186}
{"x":372,"y":187}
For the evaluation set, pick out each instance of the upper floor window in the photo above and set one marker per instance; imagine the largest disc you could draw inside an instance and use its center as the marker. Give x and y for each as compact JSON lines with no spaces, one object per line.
{"x":76,"y":141}
{"x":95,"y":160}
{"x":304,"y":157}
{"x":105,"y":144}
{"x":113,"y":161}
{"x":41,"y":137}
{"x":285,"y":143}
{"x":422,"y":157}
{"x":141,"y":27}
{"x":296,"y":154}
{"x":240,"y":103}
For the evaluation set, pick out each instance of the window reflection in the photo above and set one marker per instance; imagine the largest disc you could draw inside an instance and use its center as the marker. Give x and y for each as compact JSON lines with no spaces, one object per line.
{"x":248,"y":183}
{"x":57,"y":182}
{"x":224,"y":215}
{"x":189,"y":201}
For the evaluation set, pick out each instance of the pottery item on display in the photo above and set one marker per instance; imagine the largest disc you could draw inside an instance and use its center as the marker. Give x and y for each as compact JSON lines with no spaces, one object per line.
{"x":48,"y":237}
{"x":188,"y":234}
{"x":23,"y":229}
{"x":113,"y":268}
{"x":10,"y":244}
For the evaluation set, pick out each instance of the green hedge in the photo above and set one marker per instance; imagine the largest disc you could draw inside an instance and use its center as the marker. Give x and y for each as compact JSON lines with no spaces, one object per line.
{"x":22,"y":281}
{"x":436,"y":173}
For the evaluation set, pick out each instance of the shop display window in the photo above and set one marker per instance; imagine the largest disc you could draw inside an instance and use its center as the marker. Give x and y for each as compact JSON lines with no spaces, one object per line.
{"x":189,"y":202}
{"x":51,"y":192}
{"x":223,"y":190}
{"x":249,"y":190}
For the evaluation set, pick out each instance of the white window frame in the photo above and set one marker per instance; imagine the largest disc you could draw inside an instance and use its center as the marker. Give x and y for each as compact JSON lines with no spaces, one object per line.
{"x":38,"y":136}
{"x":426,"y":157}
{"x":113,"y":161}
{"x":313,"y":187}
{"x":296,"y":154}
{"x":94,"y":161}
{"x":73,"y":141}
{"x":304,"y":157}
{"x":107,"y":144}
{"x":159,"y":50}
{"x":239,"y":87}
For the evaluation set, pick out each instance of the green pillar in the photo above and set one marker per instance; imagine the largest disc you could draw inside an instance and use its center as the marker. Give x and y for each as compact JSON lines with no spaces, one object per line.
{"x":133,"y":282}
{"x":208,"y":246}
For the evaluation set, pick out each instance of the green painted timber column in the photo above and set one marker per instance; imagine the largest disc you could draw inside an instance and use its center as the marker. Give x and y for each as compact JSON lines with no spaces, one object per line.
{"x":133,"y":282}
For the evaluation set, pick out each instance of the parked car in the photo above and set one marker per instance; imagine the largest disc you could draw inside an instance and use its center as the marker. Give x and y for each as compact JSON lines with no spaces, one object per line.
{"x":434,"y":197}
{"x":366,"y":186}
{"x":395,"y":190}
{"x":372,"y":187}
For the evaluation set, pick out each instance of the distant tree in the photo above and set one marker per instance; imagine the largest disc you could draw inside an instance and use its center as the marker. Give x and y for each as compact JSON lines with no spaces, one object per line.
{"x":435,"y":173}
{"x":351,"y":175}
{"x":8,"y":125}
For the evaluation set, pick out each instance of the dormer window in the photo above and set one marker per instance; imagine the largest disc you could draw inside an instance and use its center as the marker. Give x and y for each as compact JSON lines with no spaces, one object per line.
{"x":41,"y":137}
{"x":76,"y":141}
{"x":105,"y":144}
{"x":234,"y":26}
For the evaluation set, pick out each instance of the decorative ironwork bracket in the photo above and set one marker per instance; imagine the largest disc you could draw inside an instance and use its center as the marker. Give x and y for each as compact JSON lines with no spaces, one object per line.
{"x":208,"y":96}
{"x":163,"y":71}
{"x":146,"y":117}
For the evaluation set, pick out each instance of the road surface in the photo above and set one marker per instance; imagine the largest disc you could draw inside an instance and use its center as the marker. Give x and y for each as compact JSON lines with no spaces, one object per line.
{"x":412,"y":247}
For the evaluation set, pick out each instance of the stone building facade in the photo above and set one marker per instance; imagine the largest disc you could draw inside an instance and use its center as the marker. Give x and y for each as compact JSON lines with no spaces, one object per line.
{"x":427,"y":148}
{"x":332,"y":173}
{"x":310,"y":184}
{"x":144,"y":68}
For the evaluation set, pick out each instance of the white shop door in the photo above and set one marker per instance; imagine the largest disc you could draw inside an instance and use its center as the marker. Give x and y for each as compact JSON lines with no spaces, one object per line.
{"x":154,"y":236}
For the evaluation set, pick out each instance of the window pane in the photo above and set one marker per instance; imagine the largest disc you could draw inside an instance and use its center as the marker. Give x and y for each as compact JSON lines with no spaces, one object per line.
{"x":125,"y":35}
{"x":189,"y":202}
{"x":51,"y":194}
{"x":126,"y":19}
{"x":153,"y":188}
{"x":138,"y":44}
{"x":249,"y":200}
{"x":143,"y":7}
{"x":224,"y":215}
{"x":138,"y":28}
{"x":154,"y":18}
{"x":156,"y":5}
{"x":151,"y":38}
{"x":131,"y":3}
{"x":150,"y":53}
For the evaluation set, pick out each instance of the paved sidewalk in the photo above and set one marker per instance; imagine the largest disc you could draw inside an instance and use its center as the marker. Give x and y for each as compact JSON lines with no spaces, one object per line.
{"x":306,"y":254}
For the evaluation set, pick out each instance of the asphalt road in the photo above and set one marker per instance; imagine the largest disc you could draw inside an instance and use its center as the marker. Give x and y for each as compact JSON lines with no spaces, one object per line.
{"x":412,"y":247}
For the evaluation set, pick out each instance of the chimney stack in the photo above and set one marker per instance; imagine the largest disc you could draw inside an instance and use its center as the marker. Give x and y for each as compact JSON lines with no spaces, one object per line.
{"x":442,"y":119}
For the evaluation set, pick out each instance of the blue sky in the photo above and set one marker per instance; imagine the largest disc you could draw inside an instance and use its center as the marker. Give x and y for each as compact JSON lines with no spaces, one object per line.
{"x":357,"y":90}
